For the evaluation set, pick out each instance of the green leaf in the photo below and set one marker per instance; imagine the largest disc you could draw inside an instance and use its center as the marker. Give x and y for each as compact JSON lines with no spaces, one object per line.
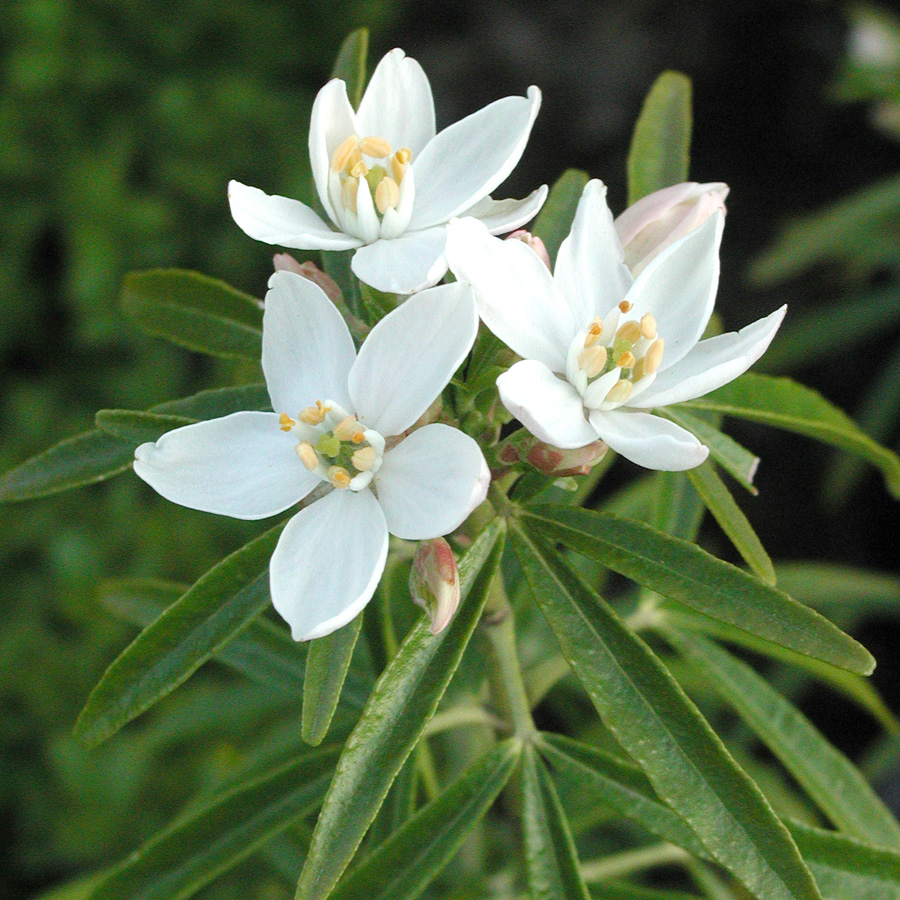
{"x":718,"y":500}
{"x":678,"y":509}
{"x":350,"y":64}
{"x":402,"y":867}
{"x":827,"y":776}
{"x":217,"y":402}
{"x":842,"y":590}
{"x":137,"y":427}
{"x":550,"y":858}
{"x":194,"y":311}
{"x":655,"y":722}
{"x":783,"y":403}
{"x":661,"y":144}
{"x":618,"y":890}
{"x":403,"y":700}
{"x":558,"y":212}
{"x":193,"y":851}
{"x":326,"y":668}
{"x":165,"y":654}
{"x":684,"y":572}
{"x":846,"y":869}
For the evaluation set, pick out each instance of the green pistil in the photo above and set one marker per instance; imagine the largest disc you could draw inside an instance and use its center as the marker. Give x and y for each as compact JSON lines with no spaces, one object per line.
{"x":328,"y":445}
{"x":375,"y":176}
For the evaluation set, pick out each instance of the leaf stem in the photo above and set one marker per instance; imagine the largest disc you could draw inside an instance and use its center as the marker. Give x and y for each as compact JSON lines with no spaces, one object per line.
{"x":620,"y":864}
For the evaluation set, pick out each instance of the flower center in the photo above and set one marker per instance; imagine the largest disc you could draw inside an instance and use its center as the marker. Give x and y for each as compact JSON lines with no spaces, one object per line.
{"x":370,"y":185}
{"x":335,"y":446}
{"x":614,"y":358}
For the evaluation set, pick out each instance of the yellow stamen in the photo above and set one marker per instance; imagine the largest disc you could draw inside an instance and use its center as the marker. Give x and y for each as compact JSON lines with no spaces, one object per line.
{"x":341,"y":157}
{"x":625,"y":306}
{"x":592,"y":360}
{"x":364,"y":459}
{"x":399,"y":162}
{"x":387,"y":195}
{"x":358,"y":438}
{"x":629,"y":331}
{"x":653,"y":357}
{"x":648,"y":326}
{"x":619,"y":392}
{"x":595,"y":329}
{"x":313,"y":415}
{"x":637,"y":372}
{"x":339,"y":476}
{"x":346,"y":428}
{"x":374,"y":146}
{"x":307,"y":454}
{"x":359,"y":170}
{"x":286,"y":422}
{"x":349,"y":190}
{"x":625,"y":360}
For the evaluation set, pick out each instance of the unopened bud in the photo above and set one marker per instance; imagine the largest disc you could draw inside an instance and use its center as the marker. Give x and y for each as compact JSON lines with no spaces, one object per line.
{"x":434,"y":582}
{"x":284,"y":262}
{"x":558,"y":462}
{"x":536,"y":244}
{"x":647,"y":227}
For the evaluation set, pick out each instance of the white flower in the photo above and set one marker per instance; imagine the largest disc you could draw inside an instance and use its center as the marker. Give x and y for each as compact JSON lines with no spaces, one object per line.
{"x":601,"y":349}
{"x":335,"y":412}
{"x":389,"y":185}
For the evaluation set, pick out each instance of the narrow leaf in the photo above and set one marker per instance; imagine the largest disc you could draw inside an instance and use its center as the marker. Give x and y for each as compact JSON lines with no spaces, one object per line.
{"x":326,"y":668}
{"x":402,"y":702}
{"x":402,"y":867}
{"x":661,"y":144}
{"x":137,"y":427}
{"x":217,"y":402}
{"x":193,"y":851}
{"x":194,"y":311}
{"x":550,"y":858}
{"x":218,"y":607}
{"x":655,"y":722}
{"x":783,"y":403}
{"x":827,"y":776}
{"x":555,"y":219}
{"x":350,"y":64}
{"x":842,"y":590}
{"x":682,"y":571}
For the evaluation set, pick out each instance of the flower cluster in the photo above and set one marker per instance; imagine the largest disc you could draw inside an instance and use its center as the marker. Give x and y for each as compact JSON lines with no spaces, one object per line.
{"x":611,"y":335}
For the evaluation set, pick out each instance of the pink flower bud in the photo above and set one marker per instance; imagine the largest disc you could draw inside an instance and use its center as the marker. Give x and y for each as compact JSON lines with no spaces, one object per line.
{"x":661,"y":218}
{"x":536,"y":244}
{"x":284,"y":262}
{"x":560,"y":463}
{"x":434,"y":582}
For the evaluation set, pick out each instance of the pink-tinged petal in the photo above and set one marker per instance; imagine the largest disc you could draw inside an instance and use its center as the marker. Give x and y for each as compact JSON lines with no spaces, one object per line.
{"x":516,"y":295}
{"x":466,"y":161}
{"x":430,"y":482}
{"x":397,"y":104}
{"x":502,"y":216}
{"x":648,"y":440}
{"x":282,"y":221}
{"x":331,"y":123}
{"x":678,"y":288}
{"x":327,"y":563}
{"x":410,"y":356}
{"x":550,"y":408}
{"x":590,"y":267}
{"x":711,"y":364}
{"x":307,"y":350}
{"x":649,"y":210}
{"x":405,"y":264}
{"x":242,"y":465}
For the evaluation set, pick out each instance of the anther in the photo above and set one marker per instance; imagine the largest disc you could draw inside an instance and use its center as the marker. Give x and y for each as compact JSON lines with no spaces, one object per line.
{"x":387,"y":195}
{"x":626,"y":306}
{"x":591,"y":361}
{"x":307,"y":454}
{"x":653,"y":356}
{"x":376,"y":147}
{"x":341,"y":157}
{"x":346,"y":428}
{"x":357,"y":438}
{"x":399,"y":162}
{"x":625,"y":360}
{"x":595,"y":329}
{"x":619,"y":392}
{"x":637,"y":372}
{"x":286,"y":422}
{"x":349,"y":190}
{"x":339,"y":476}
{"x":359,"y":170}
{"x":364,"y":459}
{"x":629,"y":331}
{"x":648,"y":326}
{"x":313,"y":415}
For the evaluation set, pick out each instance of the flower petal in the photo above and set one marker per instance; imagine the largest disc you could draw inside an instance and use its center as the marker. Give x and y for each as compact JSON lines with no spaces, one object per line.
{"x":405,"y":264}
{"x":307,"y":350}
{"x":517,"y":298}
{"x":327,"y":563}
{"x":711,"y":364}
{"x":590,"y":267}
{"x":242,"y":465}
{"x":282,"y":221}
{"x":410,"y":356}
{"x":332,"y":121}
{"x":466,"y":161}
{"x":648,"y":440}
{"x":430,"y":482}
{"x":679,"y":288}
{"x":550,"y":408}
{"x":502,"y":216}
{"x":397,"y":104}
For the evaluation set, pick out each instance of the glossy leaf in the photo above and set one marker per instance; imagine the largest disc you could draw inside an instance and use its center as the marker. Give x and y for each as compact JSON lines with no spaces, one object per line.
{"x":165,"y":654}
{"x":655,"y":722}
{"x":327,"y":663}
{"x":783,"y":403}
{"x":827,"y":776}
{"x":551,"y":862}
{"x":195,"y":849}
{"x":682,"y":571}
{"x":194,"y":311}
{"x":554,"y":221}
{"x":406,"y":863}
{"x":661,"y":144}
{"x":403,"y":700}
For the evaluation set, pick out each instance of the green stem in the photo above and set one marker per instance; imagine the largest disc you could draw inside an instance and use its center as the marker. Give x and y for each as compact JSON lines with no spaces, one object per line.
{"x":621,"y":864}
